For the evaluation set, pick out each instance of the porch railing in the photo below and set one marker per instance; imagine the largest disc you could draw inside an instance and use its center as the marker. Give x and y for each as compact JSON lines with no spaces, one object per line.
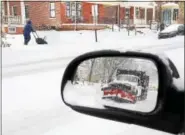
{"x":140,"y":22}
{"x":126,"y":22}
{"x":11,"y":19}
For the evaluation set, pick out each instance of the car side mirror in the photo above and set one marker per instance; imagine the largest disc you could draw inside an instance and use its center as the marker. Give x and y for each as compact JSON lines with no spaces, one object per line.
{"x":129,"y":87}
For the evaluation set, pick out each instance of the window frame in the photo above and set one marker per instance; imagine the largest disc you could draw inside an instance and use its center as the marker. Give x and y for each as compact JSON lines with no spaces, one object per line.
{"x":137,"y":11}
{"x":2,"y":8}
{"x":77,"y":10}
{"x":52,"y":10}
{"x":175,"y":14}
{"x":13,"y":12}
{"x":26,"y":10}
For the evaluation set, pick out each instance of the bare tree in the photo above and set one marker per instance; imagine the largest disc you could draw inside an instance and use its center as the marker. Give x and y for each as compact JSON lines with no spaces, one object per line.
{"x":91,"y":69}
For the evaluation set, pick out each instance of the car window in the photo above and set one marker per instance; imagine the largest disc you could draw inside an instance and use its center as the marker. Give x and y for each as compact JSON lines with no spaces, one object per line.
{"x":40,"y":38}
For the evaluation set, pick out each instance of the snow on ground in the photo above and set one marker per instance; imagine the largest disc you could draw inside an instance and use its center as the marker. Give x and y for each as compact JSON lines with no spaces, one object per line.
{"x":83,"y":95}
{"x":32,"y":105}
{"x":70,"y":43}
{"x":177,"y":57}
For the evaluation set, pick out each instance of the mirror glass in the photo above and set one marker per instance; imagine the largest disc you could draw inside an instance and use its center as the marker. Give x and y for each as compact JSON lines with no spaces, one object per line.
{"x":114,"y":82}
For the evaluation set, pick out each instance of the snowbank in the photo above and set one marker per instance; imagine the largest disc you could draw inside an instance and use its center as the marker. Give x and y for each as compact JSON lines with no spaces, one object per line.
{"x":83,"y":95}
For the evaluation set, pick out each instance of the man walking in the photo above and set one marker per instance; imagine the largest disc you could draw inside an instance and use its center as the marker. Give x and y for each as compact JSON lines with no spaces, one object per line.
{"x":27,"y":30}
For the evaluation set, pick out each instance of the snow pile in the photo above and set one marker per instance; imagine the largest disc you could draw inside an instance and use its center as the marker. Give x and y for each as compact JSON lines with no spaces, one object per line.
{"x":171,"y":28}
{"x":82,"y":95}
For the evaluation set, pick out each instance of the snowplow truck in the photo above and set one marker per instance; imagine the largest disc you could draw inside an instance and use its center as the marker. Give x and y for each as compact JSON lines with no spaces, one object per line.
{"x":143,"y":81}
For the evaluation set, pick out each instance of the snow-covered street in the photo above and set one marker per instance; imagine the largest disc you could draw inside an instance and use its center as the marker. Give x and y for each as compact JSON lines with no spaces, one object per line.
{"x":31,"y":99}
{"x":70,"y":44}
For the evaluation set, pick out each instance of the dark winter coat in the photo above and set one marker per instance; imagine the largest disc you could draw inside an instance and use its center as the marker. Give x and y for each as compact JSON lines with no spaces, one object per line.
{"x":28,"y":29}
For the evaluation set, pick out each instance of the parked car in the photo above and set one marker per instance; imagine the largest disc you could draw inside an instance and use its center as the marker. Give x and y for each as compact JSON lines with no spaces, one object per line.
{"x":172,"y":31}
{"x":181,"y":29}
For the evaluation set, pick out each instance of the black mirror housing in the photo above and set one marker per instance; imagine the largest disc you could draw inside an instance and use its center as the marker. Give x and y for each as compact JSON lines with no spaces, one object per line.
{"x":161,"y":118}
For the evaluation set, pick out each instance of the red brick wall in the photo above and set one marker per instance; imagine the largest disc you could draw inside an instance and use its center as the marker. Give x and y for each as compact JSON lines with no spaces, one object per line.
{"x":101,"y":12}
{"x":39,"y":13}
{"x":17,"y":4}
{"x":110,"y":14}
{"x":19,"y":30}
{"x":87,"y":12}
{"x":64,"y":18}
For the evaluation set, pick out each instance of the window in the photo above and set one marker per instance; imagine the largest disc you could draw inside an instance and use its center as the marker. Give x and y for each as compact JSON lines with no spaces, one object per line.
{"x":127,"y":10}
{"x":14,"y":11}
{"x":68,"y":9}
{"x":52,"y":10}
{"x":26,"y":11}
{"x":73,"y":9}
{"x":12,"y":29}
{"x":2,"y":7}
{"x":142,"y":13}
{"x":137,"y":12}
{"x":175,"y":14}
{"x":79,"y":7}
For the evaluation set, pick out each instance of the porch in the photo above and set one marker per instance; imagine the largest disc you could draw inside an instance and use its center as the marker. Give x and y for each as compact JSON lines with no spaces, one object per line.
{"x":11,"y":20}
{"x":12,"y":24}
{"x":142,"y":13}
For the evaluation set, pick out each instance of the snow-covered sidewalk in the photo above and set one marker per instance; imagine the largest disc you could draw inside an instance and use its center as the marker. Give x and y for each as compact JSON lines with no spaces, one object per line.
{"x":70,"y":43}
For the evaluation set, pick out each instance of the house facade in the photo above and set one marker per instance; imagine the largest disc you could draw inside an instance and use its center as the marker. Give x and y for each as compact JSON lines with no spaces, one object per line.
{"x":68,"y":14}
{"x":170,"y":11}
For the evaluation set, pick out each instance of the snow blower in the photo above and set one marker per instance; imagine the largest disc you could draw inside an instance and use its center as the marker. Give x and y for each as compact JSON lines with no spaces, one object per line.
{"x":38,"y":39}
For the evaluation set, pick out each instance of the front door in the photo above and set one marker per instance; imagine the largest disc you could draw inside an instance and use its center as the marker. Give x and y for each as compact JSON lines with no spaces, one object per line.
{"x":149,"y":15}
{"x":167,"y":17}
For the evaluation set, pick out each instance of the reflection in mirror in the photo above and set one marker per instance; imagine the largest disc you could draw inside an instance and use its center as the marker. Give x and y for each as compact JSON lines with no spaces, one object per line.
{"x":118,"y":82}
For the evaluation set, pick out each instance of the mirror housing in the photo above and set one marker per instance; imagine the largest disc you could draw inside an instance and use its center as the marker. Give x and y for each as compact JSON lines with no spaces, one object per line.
{"x":161,"y":118}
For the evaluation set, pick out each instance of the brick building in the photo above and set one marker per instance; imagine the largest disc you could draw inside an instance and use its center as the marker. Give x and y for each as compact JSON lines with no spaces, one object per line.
{"x":67,"y":14}
{"x":180,"y":13}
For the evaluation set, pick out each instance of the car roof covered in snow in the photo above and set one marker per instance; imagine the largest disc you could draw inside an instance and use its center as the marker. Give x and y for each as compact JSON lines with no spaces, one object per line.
{"x":171,"y":28}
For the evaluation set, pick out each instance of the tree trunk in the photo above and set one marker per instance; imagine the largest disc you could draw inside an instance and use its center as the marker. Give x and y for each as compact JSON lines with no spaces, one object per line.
{"x":91,"y":69}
